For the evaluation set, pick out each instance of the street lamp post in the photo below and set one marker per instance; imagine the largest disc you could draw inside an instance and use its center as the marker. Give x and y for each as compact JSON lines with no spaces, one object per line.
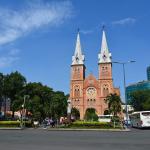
{"x":23,"y":110}
{"x":124,"y":79}
{"x":69,"y":110}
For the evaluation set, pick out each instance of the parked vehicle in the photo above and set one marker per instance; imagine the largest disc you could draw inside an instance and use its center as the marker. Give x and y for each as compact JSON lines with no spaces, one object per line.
{"x":104,"y":118}
{"x":140,"y":119}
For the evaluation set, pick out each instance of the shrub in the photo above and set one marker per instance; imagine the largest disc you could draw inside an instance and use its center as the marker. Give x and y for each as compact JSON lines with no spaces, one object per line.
{"x":90,"y":115}
{"x":82,"y":124}
{"x":14,"y":123}
{"x":9,"y":123}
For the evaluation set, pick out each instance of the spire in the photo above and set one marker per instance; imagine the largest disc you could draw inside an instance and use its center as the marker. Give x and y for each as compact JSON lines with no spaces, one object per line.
{"x":78,"y":58}
{"x":104,"y":56}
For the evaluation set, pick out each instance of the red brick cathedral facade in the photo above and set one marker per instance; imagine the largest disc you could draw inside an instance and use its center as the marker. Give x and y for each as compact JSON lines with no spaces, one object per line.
{"x":89,"y":92}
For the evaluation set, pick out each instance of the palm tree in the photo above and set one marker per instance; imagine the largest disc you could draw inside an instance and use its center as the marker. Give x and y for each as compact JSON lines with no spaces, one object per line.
{"x":114,"y":104}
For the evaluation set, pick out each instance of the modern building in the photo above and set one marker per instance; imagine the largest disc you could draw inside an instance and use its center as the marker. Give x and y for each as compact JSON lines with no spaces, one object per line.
{"x":143,"y":85}
{"x":148,"y":73}
{"x":5,"y":106}
{"x":89,"y":92}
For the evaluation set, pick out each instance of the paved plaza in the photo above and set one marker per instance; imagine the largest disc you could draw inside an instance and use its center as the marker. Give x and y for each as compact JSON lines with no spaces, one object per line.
{"x":40,"y":139}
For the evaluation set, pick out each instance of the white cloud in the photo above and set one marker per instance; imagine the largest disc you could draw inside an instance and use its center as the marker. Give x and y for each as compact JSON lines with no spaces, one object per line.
{"x":124,"y":21}
{"x":6,"y":61}
{"x":15,"y":24}
{"x":9,"y":58}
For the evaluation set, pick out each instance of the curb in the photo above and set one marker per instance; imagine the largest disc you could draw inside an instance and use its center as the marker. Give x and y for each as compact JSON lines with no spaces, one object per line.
{"x":68,"y":129}
{"x":114,"y":130}
{"x":11,"y":129}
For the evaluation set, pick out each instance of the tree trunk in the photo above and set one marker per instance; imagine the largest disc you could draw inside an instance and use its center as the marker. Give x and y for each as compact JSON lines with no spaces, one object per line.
{"x":5,"y":106}
{"x":0,"y":103}
{"x":13,"y":114}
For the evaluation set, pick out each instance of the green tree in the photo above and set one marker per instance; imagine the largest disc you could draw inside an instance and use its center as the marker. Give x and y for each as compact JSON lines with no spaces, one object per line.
{"x":43,"y":101}
{"x":50,"y":103}
{"x":1,"y":89}
{"x":114,"y":104}
{"x":40,"y":95}
{"x":37,"y":108}
{"x":17,"y":103}
{"x":13,"y":85}
{"x":140,"y":100}
{"x":59,"y":104}
{"x":90,"y":115}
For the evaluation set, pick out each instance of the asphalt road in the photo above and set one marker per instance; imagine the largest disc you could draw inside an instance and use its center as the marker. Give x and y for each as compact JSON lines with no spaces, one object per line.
{"x":40,"y":139}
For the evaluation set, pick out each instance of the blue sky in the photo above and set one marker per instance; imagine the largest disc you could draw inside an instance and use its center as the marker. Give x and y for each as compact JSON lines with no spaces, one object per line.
{"x":37,"y":38}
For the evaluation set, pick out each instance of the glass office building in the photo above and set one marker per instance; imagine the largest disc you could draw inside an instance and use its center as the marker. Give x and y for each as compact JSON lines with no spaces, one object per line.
{"x":148,"y":73}
{"x":144,"y":85}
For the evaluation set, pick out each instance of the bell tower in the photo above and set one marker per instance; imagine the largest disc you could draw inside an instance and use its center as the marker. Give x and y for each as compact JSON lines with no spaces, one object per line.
{"x":105,"y":72}
{"x":77,"y":77}
{"x":105,"y":64}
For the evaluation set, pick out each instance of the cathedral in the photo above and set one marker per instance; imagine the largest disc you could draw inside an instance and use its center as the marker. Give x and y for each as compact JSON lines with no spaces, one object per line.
{"x":89,"y":92}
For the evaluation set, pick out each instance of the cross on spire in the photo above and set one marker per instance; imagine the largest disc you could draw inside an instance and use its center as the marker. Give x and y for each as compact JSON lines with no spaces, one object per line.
{"x":103,"y":27}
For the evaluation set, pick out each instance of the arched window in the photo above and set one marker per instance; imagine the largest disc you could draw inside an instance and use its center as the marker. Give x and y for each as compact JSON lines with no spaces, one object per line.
{"x":106,"y":112}
{"x":105,"y":90}
{"x":76,"y":91}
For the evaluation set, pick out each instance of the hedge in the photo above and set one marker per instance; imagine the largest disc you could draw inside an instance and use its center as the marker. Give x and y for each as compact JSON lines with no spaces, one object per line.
{"x":83,"y":124}
{"x":14,"y":123}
